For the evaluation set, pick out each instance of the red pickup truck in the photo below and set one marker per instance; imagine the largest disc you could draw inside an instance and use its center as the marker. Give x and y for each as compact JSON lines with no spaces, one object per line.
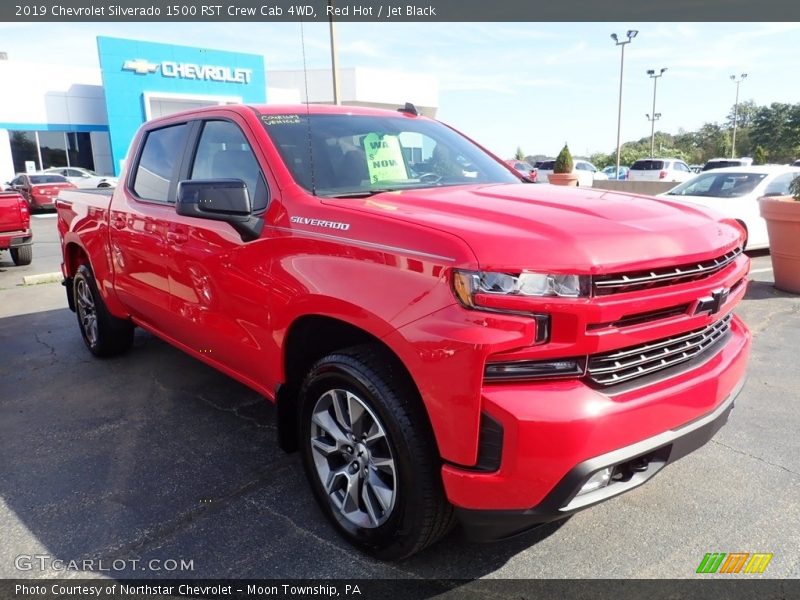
{"x":15,"y":228}
{"x":441,"y":338}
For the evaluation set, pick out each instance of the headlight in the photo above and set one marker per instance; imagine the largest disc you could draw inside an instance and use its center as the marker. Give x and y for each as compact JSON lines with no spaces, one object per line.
{"x":467,"y":284}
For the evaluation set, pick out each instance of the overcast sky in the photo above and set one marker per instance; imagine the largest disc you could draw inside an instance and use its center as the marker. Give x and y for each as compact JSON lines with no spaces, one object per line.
{"x":533,"y":85}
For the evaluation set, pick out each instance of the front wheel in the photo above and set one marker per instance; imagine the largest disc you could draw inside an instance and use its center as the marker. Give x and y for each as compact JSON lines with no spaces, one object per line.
{"x":103,"y":333}
{"x":369,"y":454}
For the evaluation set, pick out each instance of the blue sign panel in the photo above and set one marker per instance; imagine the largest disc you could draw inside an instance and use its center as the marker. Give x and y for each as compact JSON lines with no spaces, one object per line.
{"x":141,"y":78}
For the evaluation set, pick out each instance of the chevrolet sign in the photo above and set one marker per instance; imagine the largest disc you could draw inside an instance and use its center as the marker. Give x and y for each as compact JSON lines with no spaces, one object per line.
{"x":170,"y":68}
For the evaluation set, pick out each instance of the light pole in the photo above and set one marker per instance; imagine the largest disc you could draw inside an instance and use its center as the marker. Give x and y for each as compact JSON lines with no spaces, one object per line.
{"x":742,"y":77}
{"x":654,"y":77}
{"x":630,"y":35}
{"x":334,"y":60}
{"x":654,"y":118}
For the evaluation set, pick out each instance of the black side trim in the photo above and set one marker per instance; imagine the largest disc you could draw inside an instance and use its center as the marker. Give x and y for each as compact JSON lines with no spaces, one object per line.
{"x":490,"y":444}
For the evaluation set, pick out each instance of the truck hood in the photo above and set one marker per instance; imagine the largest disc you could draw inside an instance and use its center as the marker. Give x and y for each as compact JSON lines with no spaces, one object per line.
{"x":581,"y":230}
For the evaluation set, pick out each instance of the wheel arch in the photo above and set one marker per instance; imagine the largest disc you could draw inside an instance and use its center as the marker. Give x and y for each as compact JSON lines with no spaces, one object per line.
{"x":309,"y":338}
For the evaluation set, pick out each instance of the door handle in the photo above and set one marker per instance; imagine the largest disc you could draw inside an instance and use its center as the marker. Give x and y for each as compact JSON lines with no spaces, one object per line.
{"x":177,"y":237}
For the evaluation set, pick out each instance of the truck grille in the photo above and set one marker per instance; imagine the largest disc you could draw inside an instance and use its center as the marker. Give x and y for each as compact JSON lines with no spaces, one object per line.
{"x":604,"y":285}
{"x":637,"y":361}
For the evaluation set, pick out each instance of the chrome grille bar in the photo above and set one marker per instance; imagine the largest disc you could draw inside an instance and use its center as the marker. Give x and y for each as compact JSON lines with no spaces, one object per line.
{"x":629,"y":363}
{"x":610,"y":284}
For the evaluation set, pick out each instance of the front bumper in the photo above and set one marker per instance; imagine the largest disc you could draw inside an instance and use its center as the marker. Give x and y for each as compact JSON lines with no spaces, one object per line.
{"x":557,"y":434}
{"x":656,"y":452}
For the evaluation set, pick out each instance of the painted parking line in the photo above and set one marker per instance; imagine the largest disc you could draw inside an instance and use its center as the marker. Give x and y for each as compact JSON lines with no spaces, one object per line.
{"x":45,"y":216}
{"x":767,"y":270}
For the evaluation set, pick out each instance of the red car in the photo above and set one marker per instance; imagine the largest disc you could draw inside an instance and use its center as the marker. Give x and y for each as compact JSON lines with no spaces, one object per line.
{"x":440,"y":342}
{"x":40,"y":190}
{"x":15,"y":228}
{"x":524,"y":169}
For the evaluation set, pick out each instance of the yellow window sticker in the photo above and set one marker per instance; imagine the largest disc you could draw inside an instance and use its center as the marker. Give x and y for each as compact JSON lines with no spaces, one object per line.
{"x":384,"y":158}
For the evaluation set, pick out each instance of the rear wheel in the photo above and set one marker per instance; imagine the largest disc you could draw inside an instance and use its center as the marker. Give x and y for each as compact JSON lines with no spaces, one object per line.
{"x":369,"y":454}
{"x":22,"y":255}
{"x":103,"y":333}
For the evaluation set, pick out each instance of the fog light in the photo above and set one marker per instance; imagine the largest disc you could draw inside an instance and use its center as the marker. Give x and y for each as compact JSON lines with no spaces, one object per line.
{"x":596,"y":481}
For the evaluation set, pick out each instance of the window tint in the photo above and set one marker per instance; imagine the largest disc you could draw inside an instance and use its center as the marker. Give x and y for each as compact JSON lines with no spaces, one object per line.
{"x":72,"y":173}
{"x":162,"y":150}
{"x":647,"y":165}
{"x":37,"y":179}
{"x":223,"y":153}
{"x":719,"y":185}
{"x":547,"y":165}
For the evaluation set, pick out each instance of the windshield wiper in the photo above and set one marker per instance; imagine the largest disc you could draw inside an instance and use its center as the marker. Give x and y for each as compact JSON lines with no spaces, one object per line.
{"x":361,"y":194}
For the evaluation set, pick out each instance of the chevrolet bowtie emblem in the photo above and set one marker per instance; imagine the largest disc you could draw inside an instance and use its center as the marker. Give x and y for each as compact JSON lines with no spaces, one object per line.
{"x":140,"y":66}
{"x":713,"y":304}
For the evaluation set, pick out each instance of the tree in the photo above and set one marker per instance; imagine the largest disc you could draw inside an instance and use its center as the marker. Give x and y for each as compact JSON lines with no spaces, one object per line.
{"x":759,"y":156}
{"x":519,"y":154}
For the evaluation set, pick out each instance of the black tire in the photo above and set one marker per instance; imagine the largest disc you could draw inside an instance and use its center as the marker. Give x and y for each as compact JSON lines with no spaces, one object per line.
{"x":23,"y":255}
{"x":418,"y":513}
{"x":104,"y":334}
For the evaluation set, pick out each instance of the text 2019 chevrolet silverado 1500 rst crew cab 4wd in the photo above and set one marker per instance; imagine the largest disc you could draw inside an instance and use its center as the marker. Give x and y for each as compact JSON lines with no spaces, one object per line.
{"x":441,"y":339}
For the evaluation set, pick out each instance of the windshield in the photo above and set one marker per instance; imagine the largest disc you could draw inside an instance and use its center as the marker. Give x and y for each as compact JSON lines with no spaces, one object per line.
{"x":37,"y":179}
{"x":719,"y":185}
{"x":721,"y":164}
{"x":343,"y":155}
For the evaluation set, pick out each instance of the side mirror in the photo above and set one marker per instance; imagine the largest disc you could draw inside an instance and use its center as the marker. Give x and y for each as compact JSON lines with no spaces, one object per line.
{"x":220,"y":200}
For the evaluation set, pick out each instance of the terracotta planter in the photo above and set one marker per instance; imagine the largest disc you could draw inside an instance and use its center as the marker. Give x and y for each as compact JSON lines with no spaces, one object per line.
{"x":782,"y":214}
{"x":563,"y":179}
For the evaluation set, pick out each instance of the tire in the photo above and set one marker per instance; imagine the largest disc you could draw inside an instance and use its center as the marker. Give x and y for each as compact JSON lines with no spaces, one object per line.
{"x":23,"y":255}
{"x":398,"y":506}
{"x":104,"y":334}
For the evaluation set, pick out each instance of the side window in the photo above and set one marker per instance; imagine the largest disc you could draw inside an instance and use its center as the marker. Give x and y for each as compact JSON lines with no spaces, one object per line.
{"x":223,"y":153}
{"x":158,"y":161}
{"x":16,"y":181}
{"x":71,"y":173}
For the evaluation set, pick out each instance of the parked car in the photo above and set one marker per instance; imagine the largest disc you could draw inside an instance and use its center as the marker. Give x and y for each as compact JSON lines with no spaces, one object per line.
{"x":523,"y":168}
{"x":83,"y":178}
{"x":586,"y":171}
{"x":734,"y":193}
{"x":15,"y":228}
{"x":622,"y":174}
{"x":696,"y":168}
{"x":722,"y":163}
{"x":796,"y":163}
{"x":659,"y":169}
{"x":38,"y":189}
{"x":438,"y":345}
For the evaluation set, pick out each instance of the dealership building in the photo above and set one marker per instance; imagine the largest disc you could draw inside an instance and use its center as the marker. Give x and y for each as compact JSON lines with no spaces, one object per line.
{"x":55,"y":115}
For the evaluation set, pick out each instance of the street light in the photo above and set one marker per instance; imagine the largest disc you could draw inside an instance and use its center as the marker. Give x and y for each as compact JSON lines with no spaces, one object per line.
{"x":654,"y":77}
{"x":632,"y":33}
{"x":742,"y":77}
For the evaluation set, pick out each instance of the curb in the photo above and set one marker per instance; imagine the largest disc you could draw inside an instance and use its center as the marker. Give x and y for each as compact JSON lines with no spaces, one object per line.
{"x":42,"y":278}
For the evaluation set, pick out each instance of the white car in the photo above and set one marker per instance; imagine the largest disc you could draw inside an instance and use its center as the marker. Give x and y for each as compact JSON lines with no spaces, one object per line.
{"x":659,"y":169}
{"x":84,"y":178}
{"x":734,"y":192}
{"x":586,"y":171}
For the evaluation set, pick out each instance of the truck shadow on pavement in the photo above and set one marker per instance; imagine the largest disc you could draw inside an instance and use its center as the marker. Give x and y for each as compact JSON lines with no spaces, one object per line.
{"x":154,"y":456}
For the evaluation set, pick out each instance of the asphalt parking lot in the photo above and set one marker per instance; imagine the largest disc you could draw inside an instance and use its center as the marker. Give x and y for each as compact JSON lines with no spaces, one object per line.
{"x":156,"y":456}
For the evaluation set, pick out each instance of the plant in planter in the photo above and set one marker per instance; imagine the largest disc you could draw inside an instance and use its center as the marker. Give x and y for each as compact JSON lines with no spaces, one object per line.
{"x":562,"y":169}
{"x":782,"y":214}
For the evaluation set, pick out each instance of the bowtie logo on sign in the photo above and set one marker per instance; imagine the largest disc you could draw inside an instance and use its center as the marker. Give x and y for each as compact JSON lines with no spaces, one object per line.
{"x":178,"y":70}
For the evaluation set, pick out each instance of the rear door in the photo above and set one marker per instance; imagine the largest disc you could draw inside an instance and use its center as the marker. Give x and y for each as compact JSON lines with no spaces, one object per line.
{"x":139,"y":220}
{"x":219,"y":294}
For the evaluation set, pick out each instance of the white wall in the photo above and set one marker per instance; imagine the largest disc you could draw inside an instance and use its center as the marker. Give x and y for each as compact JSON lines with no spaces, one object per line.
{"x":359,"y":86}
{"x":40,"y":93}
{"x":6,"y":164}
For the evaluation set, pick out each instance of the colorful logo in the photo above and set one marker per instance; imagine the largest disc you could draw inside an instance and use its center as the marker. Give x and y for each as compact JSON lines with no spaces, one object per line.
{"x":719,"y":562}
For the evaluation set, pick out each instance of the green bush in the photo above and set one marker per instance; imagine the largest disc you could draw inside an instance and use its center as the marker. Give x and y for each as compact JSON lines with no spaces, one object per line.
{"x":794,"y":188}
{"x":564,"y":162}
